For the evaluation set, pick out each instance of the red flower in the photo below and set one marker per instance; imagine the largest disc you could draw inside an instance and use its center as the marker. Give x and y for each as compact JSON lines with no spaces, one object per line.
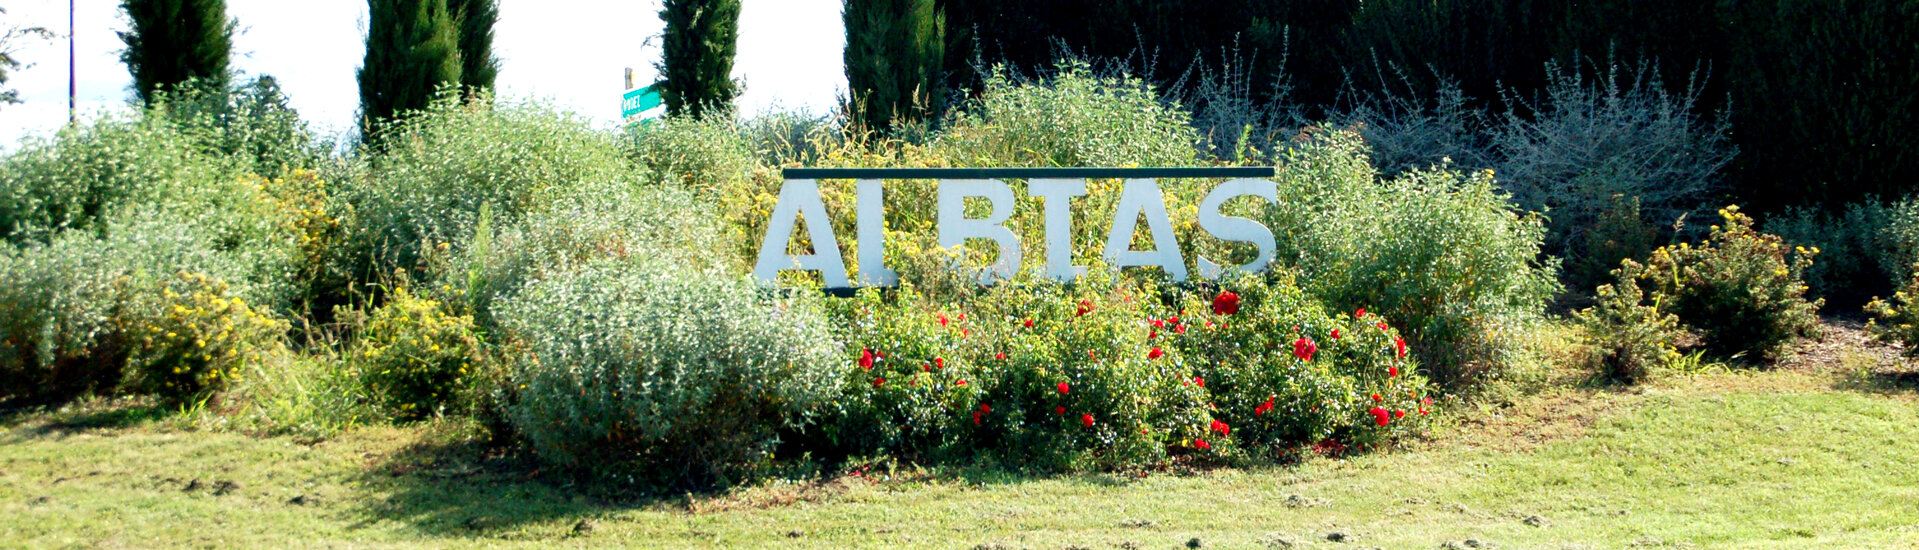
{"x":1029,"y":323}
{"x":1422,"y":411}
{"x":1360,"y":313}
{"x":1086,"y":419}
{"x":942,"y":319}
{"x":1000,"y":356}
{"x":962,"y":383}
{"x":1060,"y":410}
{"x":927,"y":367}
{"x":1335,"y":334}
{"x":1392,"y":371}
{"x":962,"y":318}
{"x":1377,"y":398}
{"x":1155,"y":354}
{"x":1221,"y":427}
{"x":1304,"y":348}
{"x":1201,"y":444}
{"x":1381,"y":325}
{"x":985,"y":408}
{"x":939,"y":363}
{"x":1398,"y":414}
{"x":963,"y":333}
{"x":1179,"y":329}
{"x":1426,"y":401}
{"x":1091,"y":355}
{"x":1226,"y":303}
{"x":975,"y":418}
{"x":1201,"y":382}
{"x":1174,"y":319}
{"x":1159,"y":323}
{"x":1085,"y":306}
{"x":877,"y":382}
{"x":866,"y":359}
{"x":1401,"y":344}
{"x":1380,"y":416}
{"x":1151,"y":334}
{"x":1064,"y":387}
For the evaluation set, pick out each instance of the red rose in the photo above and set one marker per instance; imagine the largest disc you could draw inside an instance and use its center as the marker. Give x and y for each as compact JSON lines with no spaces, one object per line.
{"x":1091,"y":355}
{"x":975,"y":418}
{"x":1179,"y":329}
{"x":1381,"y":325}
{"x":1151,"y":334}
{"x":1029,"y":323}
{"x":1174,"y":319}
{"x":1398,"y":414}
{"x":1060,"y":410}
{"x":1392,"y":371}
{"x":1155,"y":354}
{"x":1335,"y":334}
{"x":1201,"y":382}
{"x":1201,"y":444}
{"x":1422,"y":411}
{"x":877,"y":382}
{"x":963,"y":333}
{"x":1085,"y":306}
{"x":1304,"y":348}
{"x":1380,"y":416}
{"x":1159,"y":323}
{"x":985,"y":408}
{"x":1221,"y":427}
{"x":866,"y":359}
{"x":1360,"y":313}
{"x":1064,"y":387}
{"x":1226,"y":303}
{"x":942,"y":319}
{"x":1263,"y":408}
{"x":1086,"y":419}
{"x":1401,"y":344}
{"x":1377,"y":398}
{"x":1426,"y":401}
{"x":1000,"y":356}
{"x":939,"y":363}
{"x":962,"y":383}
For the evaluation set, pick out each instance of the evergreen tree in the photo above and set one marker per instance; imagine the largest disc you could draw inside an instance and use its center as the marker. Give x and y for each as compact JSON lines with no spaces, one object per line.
{"x":172,"y":41}
{"x":894,"y":52}
{"x":697,"y":56}
{"x":411,"y":50}
{"x":478,"y":67}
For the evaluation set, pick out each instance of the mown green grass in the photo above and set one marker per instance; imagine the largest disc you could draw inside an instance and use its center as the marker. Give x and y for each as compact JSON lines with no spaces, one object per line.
{"x":1784,"y":459}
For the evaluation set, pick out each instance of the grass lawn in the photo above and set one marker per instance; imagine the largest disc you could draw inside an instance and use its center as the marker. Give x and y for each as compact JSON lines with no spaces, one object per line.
{"x":1823,"y":453}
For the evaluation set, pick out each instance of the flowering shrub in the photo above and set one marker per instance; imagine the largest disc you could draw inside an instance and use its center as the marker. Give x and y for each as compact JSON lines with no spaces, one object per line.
{"x":1628,"y":337}
{"x":1744,"y":291}
{"x":1281,"y":372}
{"x":413,"y":355}
{"x":196,"y":337}
{"x":677,"y":376}
{"x":1897,"y":320}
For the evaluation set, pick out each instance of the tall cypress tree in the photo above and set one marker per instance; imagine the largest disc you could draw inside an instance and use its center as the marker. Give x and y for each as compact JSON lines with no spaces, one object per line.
{"x":171,"y":41}
{"x":478,"y":67}
{"x":697,"y":56}
{"x":894,"y":53}
{"x":411,"y":49}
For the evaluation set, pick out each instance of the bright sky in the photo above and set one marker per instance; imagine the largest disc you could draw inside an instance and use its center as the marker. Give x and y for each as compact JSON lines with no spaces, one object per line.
{"x":571,"y":52}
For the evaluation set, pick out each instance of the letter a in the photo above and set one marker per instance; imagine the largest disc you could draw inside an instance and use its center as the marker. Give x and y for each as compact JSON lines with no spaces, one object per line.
{"x":800,"y":198}
{"x":1142,"y":196}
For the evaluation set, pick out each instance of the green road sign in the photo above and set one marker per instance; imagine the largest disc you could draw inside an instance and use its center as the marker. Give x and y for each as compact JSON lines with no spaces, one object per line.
{"x":641,"y":102}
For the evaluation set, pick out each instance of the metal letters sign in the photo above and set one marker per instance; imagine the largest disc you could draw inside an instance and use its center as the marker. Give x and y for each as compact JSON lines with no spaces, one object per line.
{"x":1140,"y":196}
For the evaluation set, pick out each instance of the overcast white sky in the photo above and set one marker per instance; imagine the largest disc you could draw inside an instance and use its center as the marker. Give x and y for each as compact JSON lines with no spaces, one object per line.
{"x":569,"y":51}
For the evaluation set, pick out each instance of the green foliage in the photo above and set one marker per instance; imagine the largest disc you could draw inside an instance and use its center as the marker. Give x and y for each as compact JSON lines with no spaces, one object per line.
{"x":75,"y":180}
{"x":475,"y":18}
{"x":1897,"y":320}
{"x":412,"y":50}
{"x":56,"y":311}
{"x":696,"y":63}
{"x":1865,"y":248}
{"x":702,"y":154}
{"x":1743,"y":290}
{"x":414,"y":355}
{"x":444,"y":165}
{"x":675,"y":376}
{"x":171,"y":42}
{"x":1075,"y":118}
{"x":1628,"y":336}
{"x":894,"y":49}
{"x":251,"y":123}
{"x":190,"y":336}
{"x":1587,"y":147}
{"x":1440,"y":252}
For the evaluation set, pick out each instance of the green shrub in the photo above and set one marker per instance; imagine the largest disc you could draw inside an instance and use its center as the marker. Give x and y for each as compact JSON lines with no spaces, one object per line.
{"x":1865,"y":249}
{"x":440,"y":166}
{"x":1741,"y":289}
{"x":1628,"y":336}
{"x":79,"y":178}
{"x":1074,"y":118}
{"x":1897,"y":320}
{"x":1442,"y":253}
{"x":190,"y":336}
{"x":1588,"y":146}
{"x":415,"y":356}
{"x":251,"y":123}
{"x":1281,"y":372}
{"x":671,"y":375}
{"x":699,"y":154}
{"x":56,"y":310}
